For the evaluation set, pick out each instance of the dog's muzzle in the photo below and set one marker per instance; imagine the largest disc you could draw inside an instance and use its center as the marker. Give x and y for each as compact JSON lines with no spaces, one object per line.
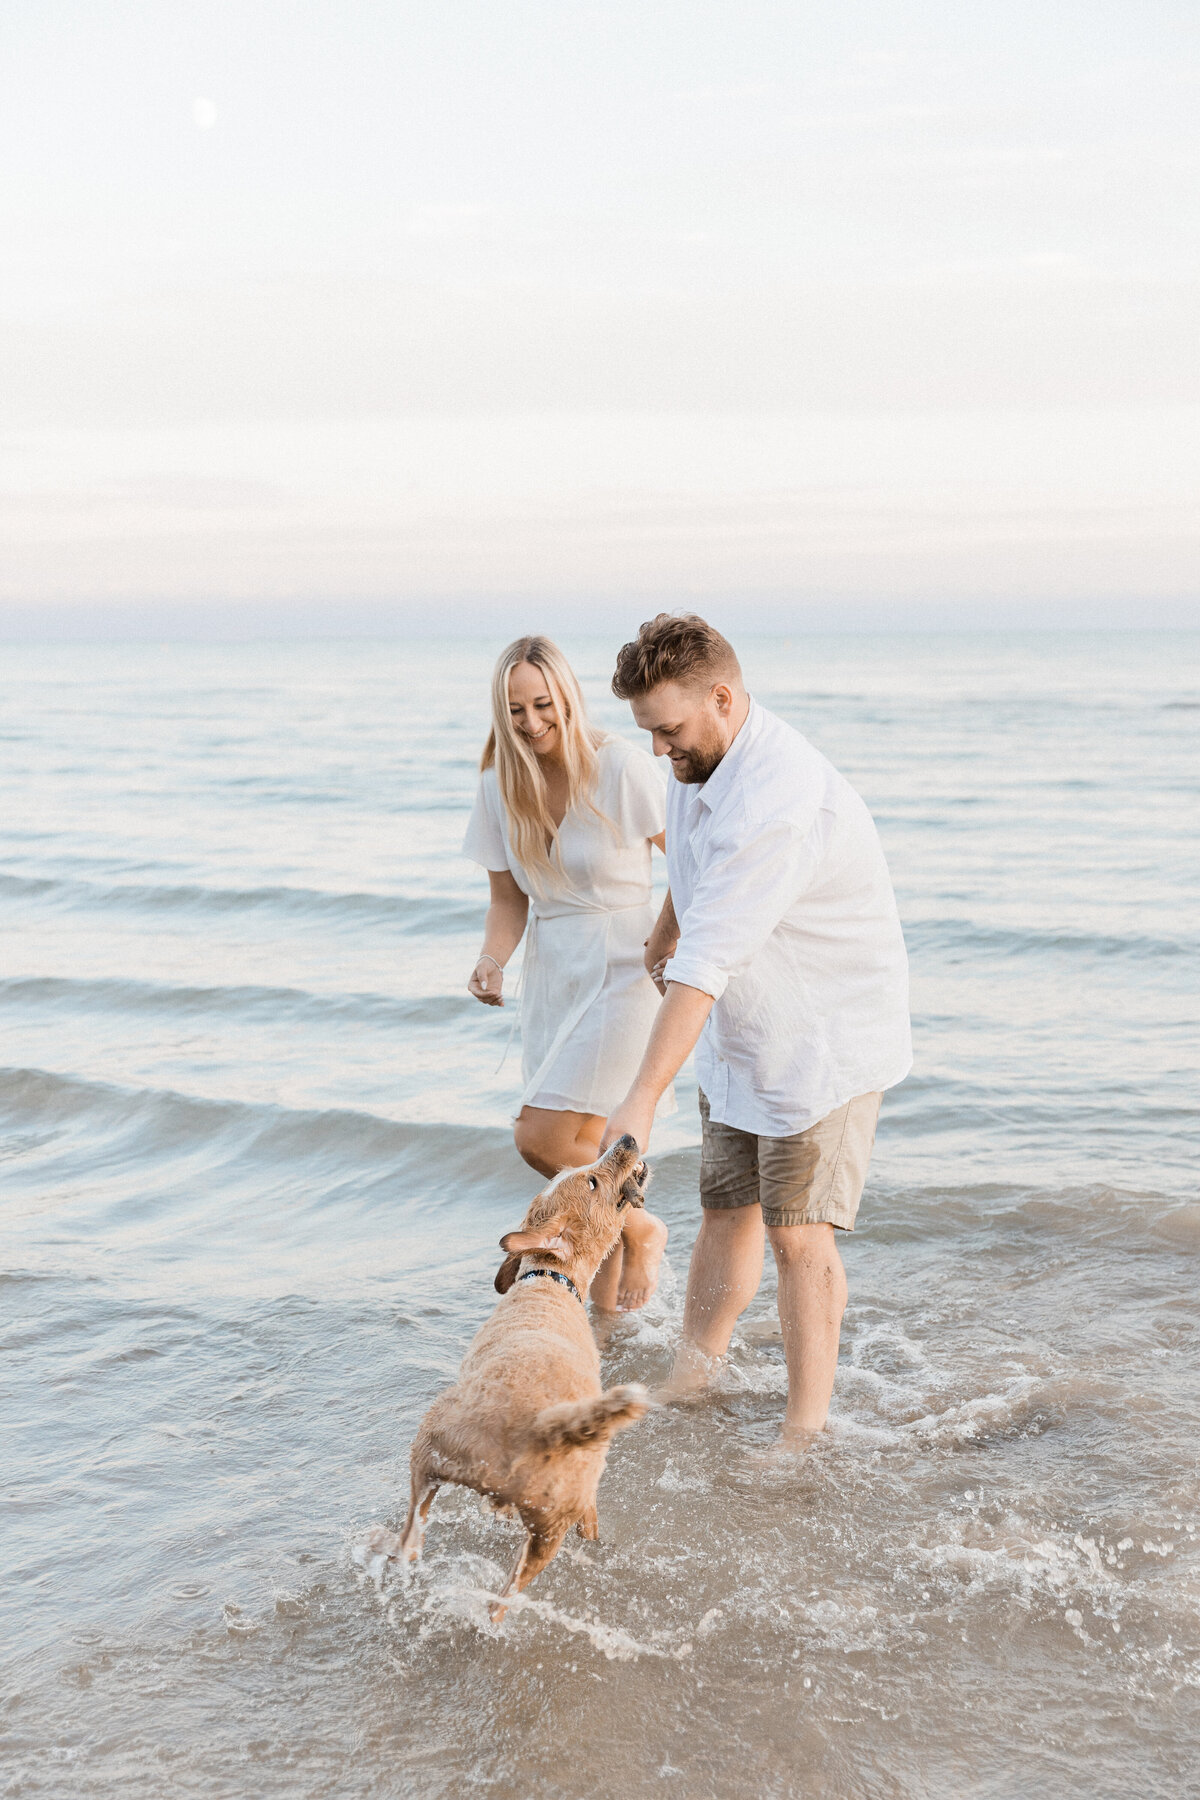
{"x":633,"y":1188}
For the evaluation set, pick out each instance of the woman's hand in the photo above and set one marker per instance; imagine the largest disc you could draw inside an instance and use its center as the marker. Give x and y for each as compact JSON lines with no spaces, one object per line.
{"x":655,"y":972}
{"x":656,"y":956}
{"x":661,"y":944}
{"x":487,"y":981}
{"x":502,"y":929}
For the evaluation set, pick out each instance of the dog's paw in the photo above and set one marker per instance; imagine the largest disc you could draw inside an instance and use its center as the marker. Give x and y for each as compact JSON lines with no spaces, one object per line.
{"x":382,"y":1542}
{"x":377,"y":1550}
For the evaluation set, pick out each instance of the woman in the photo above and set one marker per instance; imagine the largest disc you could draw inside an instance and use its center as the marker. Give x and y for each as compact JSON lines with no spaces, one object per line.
{"x":563,"y":823}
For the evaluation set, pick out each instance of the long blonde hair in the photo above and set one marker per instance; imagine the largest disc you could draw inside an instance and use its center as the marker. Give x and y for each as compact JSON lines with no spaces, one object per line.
{"x":518,"y":775}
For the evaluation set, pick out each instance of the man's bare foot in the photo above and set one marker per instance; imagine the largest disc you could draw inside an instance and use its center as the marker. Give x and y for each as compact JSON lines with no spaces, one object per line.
{"x":643,"y":1240}
{"x":795,"y":1436}
{"x":691,"y":1374}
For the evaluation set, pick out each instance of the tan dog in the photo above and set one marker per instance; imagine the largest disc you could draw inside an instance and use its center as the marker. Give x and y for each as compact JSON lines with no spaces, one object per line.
{"x":526,"y":1423}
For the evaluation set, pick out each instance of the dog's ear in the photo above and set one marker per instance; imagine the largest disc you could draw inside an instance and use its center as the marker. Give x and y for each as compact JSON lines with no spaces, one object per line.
{"x":547,"y":1239}
{"x":517,"y":1244}
{"x":506,"y":1274}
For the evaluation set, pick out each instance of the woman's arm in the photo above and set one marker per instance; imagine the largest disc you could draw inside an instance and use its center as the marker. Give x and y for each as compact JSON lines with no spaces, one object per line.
{"x":502,"y":933}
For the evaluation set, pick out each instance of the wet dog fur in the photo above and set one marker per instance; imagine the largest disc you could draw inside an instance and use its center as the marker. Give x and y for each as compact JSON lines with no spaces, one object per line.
{"x":527,"y":1424}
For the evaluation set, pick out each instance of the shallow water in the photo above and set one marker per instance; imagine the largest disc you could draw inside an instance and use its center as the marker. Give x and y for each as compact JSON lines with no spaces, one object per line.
{"x":254,"y":1163}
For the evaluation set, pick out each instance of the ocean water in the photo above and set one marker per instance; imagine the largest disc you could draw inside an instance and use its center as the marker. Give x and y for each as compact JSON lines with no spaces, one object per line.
{"x":254,"y":1162}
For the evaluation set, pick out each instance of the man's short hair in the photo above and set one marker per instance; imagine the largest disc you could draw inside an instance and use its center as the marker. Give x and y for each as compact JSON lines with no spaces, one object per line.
{"x":674,"y":647}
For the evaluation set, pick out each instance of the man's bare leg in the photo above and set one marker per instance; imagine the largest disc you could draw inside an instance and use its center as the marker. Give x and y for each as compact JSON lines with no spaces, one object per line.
{"x":550,"y":1140}
{"x":723,"y":1278}
{"x":812,"y":1299}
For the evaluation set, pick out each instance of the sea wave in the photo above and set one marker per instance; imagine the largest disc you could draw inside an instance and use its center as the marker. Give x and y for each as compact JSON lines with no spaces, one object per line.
{"x":48,"y":992}
{"x":64,"y":1128}
{"x":440,"y":912}
{"x":56,"y":1116}
{"x":1012,"y":941}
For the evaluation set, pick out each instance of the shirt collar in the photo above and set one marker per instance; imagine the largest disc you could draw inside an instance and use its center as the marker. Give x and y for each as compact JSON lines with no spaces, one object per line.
{"x":725,"y":774}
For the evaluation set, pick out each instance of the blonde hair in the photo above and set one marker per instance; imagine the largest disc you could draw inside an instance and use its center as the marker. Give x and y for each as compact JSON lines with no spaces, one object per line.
{"x":518,"y":775}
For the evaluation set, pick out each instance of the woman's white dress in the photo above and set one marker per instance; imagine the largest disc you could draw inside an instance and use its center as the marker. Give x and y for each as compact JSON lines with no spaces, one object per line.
{"x":587,"y":1004}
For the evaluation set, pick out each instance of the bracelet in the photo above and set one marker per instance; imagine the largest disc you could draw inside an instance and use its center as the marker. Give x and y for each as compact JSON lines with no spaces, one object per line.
{"x":485,"y":956}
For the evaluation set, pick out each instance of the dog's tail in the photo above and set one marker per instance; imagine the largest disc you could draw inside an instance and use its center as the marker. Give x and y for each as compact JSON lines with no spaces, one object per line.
{"x":590,"y":1421}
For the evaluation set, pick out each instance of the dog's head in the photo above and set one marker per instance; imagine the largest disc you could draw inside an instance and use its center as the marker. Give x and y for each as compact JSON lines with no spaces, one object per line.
{"x":576,"y":1220}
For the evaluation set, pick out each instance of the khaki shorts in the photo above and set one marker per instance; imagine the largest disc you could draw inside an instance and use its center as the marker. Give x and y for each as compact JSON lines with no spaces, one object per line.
{"x":815,"y":1177}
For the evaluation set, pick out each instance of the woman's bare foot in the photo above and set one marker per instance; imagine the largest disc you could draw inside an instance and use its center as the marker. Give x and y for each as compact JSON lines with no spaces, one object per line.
{"x":643,"y":1240}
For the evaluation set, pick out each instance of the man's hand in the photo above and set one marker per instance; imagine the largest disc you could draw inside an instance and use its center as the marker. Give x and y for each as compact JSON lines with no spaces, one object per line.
{"x":635,"y":1115}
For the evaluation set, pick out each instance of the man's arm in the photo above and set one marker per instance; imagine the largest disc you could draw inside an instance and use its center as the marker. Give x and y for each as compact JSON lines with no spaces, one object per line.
{"x":679,"y":1023}
{"x":740,"y":898}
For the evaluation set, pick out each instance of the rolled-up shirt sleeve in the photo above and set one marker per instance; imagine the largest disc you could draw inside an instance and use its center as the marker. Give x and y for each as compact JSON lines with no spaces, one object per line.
{"x":742,"y":893}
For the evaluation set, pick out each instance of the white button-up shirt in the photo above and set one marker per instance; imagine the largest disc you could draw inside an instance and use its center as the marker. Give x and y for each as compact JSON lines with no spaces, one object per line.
{"x":787,"y":918}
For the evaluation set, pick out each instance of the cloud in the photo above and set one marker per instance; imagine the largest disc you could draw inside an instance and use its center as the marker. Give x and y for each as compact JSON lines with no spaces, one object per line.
{"x":302,"y":342}
{"x":905,"y":508}
{"x":429,"y":221}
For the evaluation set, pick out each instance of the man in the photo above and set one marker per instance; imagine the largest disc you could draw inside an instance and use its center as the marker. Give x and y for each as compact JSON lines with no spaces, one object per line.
{"x":779,"y":948}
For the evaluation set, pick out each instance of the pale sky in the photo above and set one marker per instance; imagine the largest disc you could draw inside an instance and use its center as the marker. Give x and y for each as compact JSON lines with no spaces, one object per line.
{"x":430,"y":302}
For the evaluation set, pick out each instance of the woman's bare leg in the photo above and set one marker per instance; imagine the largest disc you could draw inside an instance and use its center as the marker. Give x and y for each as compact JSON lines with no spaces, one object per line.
{"x":549,"y":1141}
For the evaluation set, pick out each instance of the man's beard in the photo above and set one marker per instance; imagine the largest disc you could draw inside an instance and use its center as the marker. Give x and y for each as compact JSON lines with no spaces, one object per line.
{"x":695,"y":766}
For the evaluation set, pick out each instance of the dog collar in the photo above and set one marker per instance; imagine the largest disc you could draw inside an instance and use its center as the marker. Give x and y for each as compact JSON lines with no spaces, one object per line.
{"x":555,"y":1275}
